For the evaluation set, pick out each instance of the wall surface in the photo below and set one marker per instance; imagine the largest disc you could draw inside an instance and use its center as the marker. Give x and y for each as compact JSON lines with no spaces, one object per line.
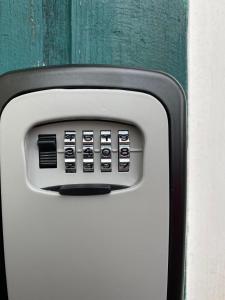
{"x":147,"y":34}
{"x":206,"y":192}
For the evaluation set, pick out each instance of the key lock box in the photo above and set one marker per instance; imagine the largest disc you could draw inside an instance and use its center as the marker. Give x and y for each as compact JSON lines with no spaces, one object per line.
{"x":93,"y":173}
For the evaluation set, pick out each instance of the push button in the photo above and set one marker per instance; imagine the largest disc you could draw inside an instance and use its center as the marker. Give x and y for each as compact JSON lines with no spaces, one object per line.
{"x":124,"y":165}
{"x":88,"y":165}
{"x":69,"y":152}
{"x":106,"y":151}
{"x":47,"y":151}
{"x":88,"y":137}
{"x":106,"y":137}
{"x":70,"y":166}
{"x":69,"y":137}
{"x":106,"y":165}
{"x":88,"y":151}
{"x":124,"y":137}
{"x":124,"y":151}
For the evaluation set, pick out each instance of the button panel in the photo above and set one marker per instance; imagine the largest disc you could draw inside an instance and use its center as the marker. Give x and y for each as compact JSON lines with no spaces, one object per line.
{"x":70,"y":151}
{"x":123,"y":151}
{"x":81,"y":147}
{"x":88,"y":151}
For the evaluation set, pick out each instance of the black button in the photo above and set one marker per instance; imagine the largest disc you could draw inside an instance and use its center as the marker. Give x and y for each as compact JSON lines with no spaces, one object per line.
{"x":47,"y":151}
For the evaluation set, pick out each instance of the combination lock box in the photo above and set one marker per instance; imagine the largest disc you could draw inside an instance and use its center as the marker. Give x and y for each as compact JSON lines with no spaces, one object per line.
{"x":93,"y":177}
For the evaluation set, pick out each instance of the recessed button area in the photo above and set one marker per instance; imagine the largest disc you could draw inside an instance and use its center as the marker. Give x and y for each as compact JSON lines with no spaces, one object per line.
{"x":87,"y":151}
{"x":47,"y":151}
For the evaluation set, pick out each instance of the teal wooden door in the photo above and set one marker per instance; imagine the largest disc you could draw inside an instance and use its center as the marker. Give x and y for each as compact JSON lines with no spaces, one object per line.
{"x":147,"y":34}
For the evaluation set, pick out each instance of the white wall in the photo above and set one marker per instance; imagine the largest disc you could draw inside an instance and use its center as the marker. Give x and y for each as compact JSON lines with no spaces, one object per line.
{"x":206,"y":179}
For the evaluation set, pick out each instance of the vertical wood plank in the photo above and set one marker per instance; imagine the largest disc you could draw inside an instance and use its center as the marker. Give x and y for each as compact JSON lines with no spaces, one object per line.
{"x":20,"y":34}
{"x":135,"y":33}
{"x":56,"y":32}
{"x":34,"y":33}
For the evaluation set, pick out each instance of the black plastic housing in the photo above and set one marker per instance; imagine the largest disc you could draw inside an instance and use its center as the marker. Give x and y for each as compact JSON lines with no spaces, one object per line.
{"x":167,"y":91}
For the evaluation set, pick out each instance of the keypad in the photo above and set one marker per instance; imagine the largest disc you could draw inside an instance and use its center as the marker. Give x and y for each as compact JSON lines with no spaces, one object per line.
{"x":93,"y":148}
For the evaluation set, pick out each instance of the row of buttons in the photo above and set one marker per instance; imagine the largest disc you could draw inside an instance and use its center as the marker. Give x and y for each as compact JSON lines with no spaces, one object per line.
{"x":124,"y":151}
{"x":106,"y":151}
{"x":70,"y":151}
{"x":88,"y":151}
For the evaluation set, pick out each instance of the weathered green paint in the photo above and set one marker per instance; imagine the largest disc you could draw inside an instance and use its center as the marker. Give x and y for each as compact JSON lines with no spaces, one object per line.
{"x":21,"y":43}
{"x":56,"y":32}
{"x":137,"y":33}
{"x":147,"y":34}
